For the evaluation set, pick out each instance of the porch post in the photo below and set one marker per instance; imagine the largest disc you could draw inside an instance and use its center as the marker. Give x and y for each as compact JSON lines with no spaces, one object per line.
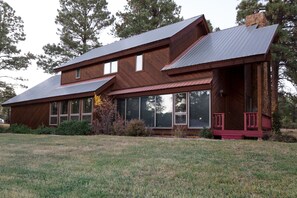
{"x":259,"y":85}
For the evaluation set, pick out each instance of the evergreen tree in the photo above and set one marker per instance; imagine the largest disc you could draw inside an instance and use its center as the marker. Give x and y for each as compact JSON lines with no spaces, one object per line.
{"x":11,"y":58}
{"x":143,"y":15}
{"x":284,"y":52}
{"x":80,"y":23}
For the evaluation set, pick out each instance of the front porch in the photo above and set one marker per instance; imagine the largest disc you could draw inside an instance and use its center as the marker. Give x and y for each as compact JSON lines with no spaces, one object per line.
{"x":253,"y":127}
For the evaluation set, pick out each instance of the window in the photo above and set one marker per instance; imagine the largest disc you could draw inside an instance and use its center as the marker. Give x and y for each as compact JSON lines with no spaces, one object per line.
{"x":147,"y":110}
{"x":121,"y":107}
{"x":87,"y":108}
{"x":63,"y":111}
{"x":139,"y":63}
{"x":53,"y":113}
{"x":199,"y":109}
{"x":181,"y":108}
{"x":132,"y":111}
{"x":111,"y":67}
{"x":164,"y":110}
{"x":74,"y":110}
{"x":77,"y":75}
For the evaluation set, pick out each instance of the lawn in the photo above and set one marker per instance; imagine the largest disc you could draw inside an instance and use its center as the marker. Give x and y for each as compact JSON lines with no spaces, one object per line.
{"x":111,"y":166}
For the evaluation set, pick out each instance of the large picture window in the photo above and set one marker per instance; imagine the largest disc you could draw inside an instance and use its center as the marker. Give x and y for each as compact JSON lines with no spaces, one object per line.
{"x":164,"y":110}
{"x":53,"y":113}
{"x":132,"y":111}
{"x":87,"y":107}
{"x":121,"y":107}
{"x":199,"y":113}
{"x":147,"y":111}
{"x":63,"y":111}
{"x":74,"y":110}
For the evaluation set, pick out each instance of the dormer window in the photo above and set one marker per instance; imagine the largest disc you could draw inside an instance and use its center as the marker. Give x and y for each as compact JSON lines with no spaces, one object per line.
{"x":77,"y":74}
{"x":111,"y":67}
{"x":139,"y":62}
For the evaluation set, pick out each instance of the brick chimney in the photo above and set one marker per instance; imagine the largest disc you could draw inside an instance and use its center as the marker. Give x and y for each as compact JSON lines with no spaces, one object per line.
{"x":258,"y":18}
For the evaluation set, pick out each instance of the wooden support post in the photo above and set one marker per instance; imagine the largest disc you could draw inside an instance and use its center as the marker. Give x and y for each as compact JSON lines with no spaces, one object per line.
{"x":259,"y":86}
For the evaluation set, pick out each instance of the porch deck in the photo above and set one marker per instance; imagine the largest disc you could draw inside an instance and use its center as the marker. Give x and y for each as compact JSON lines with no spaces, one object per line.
{"x":251,"y":126}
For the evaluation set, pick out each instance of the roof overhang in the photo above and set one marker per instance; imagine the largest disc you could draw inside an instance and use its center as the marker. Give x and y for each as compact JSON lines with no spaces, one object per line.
{"x":164,"y":88}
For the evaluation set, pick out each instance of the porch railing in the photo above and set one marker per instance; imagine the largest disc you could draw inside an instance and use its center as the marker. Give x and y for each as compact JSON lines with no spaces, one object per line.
{"x":251,"y":121}
{"x":219,"y":121}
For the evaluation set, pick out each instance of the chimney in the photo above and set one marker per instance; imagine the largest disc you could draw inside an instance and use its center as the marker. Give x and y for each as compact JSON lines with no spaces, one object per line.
{"x":256,"y":19}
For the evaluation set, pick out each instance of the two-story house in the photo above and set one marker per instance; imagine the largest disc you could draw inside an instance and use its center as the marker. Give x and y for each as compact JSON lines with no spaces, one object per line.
{"x":180,"y":74}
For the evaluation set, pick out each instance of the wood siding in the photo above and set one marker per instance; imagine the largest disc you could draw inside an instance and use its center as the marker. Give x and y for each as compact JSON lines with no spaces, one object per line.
{"x":32,"y":115}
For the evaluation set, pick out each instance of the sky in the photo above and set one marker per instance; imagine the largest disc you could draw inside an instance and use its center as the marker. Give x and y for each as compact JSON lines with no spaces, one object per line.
{"x":40,"y":28}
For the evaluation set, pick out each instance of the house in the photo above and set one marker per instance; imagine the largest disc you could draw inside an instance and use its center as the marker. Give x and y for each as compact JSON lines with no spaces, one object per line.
{"x":177,"y":75}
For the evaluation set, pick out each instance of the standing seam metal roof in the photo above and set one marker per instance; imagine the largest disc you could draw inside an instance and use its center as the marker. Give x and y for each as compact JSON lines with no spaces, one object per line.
{"x":134,"y":41}
{"x":232,"y":43}
{"x":52,"y":88}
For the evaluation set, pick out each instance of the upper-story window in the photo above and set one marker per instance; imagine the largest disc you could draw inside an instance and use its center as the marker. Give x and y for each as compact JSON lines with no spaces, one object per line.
{"x":77,"y":74}
{"x":139,"y":62}
{"x":111,"y":67}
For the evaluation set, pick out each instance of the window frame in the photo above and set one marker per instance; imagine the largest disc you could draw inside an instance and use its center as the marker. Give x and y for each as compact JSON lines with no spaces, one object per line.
{"x":110,"y":67}
{"x":77,"y":73}
{"x":210,"y":121}
{"x":82,"y":109}
{"x":60,"y":113}
{"x":139,"y":63}
{"x":70,"y":110}
{"x":181,"y":113}
{"x":52,"y":115}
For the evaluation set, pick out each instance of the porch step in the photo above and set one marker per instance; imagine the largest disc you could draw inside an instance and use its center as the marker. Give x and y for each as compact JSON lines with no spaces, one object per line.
{"x":236,"y":134}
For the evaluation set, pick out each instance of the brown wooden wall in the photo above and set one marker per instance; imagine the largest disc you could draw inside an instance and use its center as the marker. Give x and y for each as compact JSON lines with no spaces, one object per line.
{"x":32,"y":115}
{"x":127,"y":77}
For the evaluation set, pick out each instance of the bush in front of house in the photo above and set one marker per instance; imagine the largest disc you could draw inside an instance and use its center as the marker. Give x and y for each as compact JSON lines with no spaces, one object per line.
{"x":2,"y":130}
{"x":118,"y":126}
{"x":137,"y":128}
{"x":206,"y":133}
{"x":180,"y":131}
{"x":44,"y":130}
{"x":73,"y":128}
{"x":19,"y":128}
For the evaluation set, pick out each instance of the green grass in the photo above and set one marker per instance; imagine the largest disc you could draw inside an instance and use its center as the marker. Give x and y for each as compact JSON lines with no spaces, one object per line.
{"x":111,"y":166}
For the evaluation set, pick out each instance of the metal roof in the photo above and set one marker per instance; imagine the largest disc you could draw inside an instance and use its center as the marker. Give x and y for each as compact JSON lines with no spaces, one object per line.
{"x":52,"y":88}
{"x":236,"y":42}
{"x":162,"y":86}
{"x":134,"y":41}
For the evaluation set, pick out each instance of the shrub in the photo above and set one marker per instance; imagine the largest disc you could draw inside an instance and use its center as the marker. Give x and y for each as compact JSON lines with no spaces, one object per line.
{"x":118,"y":126}
{"x":2,"y":130}
{"x":276,"y":124}
{"x":206,"y":133}
{"x":44,"y":130}
{"x":73,"y":128}
{"x":19,"y":128}
{"x":180,"y":131}
{"x":137,"y":128}
{"x":283,"y":138}
{"x":104,"y":116}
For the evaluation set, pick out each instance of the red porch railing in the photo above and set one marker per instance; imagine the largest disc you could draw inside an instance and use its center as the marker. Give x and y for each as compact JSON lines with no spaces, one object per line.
{"x":219,"y":121}
{"x":251,"y":121}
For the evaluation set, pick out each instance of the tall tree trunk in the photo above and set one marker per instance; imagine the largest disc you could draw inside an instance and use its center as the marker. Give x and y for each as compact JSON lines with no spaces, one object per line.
{"x":274,"y":86}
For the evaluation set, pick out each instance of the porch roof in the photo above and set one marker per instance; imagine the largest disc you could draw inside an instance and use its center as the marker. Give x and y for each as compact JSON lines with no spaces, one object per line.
{"x":162,"y":86}
{"x":228,"y":44}
{"x":52,"y":88}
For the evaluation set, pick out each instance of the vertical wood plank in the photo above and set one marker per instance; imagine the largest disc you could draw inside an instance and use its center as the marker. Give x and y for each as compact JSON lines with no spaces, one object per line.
{"x":259,"y":95}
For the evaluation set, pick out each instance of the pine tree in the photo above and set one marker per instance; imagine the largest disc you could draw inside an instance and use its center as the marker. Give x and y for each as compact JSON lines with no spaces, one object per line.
{"x":80,"y":23}
{"x":143,"y":15}
{"x":284,"y":52}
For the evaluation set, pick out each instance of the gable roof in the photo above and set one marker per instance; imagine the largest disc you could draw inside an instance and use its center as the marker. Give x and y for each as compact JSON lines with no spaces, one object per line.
{"x":134,"y":41}
{"x":232,"y":43}
{"x":52,"y":88}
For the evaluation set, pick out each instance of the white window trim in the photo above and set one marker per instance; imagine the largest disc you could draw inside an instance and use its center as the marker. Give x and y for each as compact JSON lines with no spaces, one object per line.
{"x":53,"y":116}
{"x":139,"y":63}
{"x":110,"y":67}
{"x":209,"y":122}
